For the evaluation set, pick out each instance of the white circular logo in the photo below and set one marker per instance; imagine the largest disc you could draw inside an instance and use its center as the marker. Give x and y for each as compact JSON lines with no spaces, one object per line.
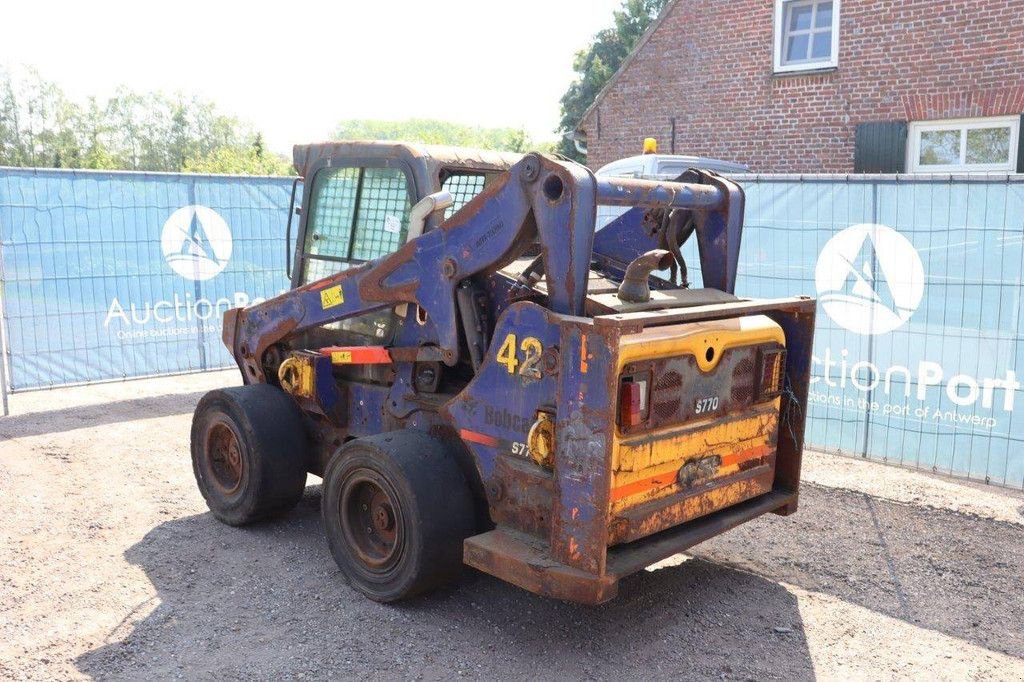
{"x":196,"y":242}
{"x":870,"y":279}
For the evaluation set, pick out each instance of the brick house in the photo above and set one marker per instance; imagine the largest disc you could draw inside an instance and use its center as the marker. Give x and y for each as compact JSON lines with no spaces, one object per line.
{"x":835,"y":86}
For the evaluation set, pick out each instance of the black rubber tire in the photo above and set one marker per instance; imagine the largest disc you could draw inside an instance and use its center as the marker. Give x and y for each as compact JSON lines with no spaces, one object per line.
{"x":271,"y":446}
{"x":433,"y":512}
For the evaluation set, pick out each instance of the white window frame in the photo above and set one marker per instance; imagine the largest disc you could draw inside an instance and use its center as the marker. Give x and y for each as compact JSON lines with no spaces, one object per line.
{"x":963,"y":124}
{"x":780,"y":39}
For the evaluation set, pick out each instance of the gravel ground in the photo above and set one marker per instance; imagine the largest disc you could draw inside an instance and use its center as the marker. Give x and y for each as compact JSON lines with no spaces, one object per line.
{"x":111,"y":568}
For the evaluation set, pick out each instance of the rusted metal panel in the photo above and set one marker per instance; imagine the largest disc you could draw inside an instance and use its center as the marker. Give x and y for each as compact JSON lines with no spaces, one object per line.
{"x":522,"y":495}
{"x":694,"y":503}
{"x":584,"y":446}
{"x":523,"y":561}
{"x":651,"y":468}
{"x":635,"y":556}
{"x":797,"y":321}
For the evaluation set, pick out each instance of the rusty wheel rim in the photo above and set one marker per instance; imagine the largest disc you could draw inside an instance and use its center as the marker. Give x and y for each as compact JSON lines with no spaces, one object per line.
{"x":372,"y":520}
{"x":224,"y":460}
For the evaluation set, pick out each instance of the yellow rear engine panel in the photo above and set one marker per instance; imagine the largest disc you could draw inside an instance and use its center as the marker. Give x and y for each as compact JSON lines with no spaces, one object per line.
{"x":720,"y":450}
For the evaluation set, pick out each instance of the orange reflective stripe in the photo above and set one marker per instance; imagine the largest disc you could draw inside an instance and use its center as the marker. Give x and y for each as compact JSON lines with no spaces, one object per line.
{"x":643,"y":486}
{"x":357,"y":355}
{"x":479,"y":438}
{"x":671,"y":477}
{"x":746,"y":455}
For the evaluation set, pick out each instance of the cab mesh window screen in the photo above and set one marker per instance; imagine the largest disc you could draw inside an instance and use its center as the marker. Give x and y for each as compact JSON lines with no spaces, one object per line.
{"x":463,"y":187}
{"x":332,"y":213}
{"x":382,"y":217}
{"x":356,"y":214}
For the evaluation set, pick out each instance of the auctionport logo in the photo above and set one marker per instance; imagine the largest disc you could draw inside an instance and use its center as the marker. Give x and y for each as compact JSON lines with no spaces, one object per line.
{"x":870,"y":279}
{"x":196,"y":243}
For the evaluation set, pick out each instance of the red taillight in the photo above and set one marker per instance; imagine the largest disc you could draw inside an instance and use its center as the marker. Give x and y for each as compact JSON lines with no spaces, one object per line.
{"x":633,"y":401}
{"x":771,"y":375}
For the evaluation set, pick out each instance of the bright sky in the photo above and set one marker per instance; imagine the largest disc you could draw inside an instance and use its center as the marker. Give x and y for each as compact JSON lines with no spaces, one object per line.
{"x":294,"y":69}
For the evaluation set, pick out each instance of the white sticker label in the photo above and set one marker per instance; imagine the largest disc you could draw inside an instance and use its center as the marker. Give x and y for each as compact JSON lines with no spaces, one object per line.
{"x":392,"y":224}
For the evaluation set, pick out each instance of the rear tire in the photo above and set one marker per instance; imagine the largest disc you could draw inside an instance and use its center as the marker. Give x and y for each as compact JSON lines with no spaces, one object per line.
{"x":249,"y":452}
{"x":396,"y":511}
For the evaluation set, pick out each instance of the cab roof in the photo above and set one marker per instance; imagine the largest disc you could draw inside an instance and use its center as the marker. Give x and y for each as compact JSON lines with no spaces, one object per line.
{"x":434,"y":157}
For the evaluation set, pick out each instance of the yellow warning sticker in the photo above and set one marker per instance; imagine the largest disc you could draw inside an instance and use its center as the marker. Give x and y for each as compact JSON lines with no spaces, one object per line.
{"x":331,"y":298}
{"x":342,"y":357}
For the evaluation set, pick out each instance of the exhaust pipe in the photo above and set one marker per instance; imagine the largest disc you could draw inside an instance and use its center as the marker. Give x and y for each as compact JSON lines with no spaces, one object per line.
{"x":636,"y":288}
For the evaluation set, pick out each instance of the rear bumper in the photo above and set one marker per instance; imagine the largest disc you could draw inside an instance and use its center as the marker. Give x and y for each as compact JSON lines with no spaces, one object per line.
{"x":524,"y":560}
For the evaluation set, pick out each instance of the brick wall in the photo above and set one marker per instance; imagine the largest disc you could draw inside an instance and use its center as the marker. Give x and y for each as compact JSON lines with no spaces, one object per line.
{"x":709,"y":65}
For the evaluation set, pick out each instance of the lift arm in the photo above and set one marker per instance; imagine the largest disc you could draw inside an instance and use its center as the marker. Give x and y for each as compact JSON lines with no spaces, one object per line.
{"x":540,"y":199}
{"x":717,"y":212}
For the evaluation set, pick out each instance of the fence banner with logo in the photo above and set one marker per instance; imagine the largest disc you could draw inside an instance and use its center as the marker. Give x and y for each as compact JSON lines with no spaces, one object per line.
{"x":919,"y":357}
{"x":116,"y":275}
{"x":919,"y":341}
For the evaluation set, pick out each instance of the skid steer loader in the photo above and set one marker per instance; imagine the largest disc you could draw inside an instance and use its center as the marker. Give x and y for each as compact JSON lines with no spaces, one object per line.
{"x":482,"y":378}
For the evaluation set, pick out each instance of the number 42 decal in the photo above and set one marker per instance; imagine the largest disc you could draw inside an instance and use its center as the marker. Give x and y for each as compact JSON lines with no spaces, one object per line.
{"x":532,"y":349}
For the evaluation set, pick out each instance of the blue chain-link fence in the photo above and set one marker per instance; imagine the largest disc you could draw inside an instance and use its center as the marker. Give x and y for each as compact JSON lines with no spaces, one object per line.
{"x":920,"y":331}
{"x":119,"y":275}
{"x":116,"y":275}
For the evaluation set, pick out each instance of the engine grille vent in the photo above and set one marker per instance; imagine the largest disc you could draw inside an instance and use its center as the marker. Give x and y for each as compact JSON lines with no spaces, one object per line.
{"x":667,"y":397}
{"x":678,"y":386}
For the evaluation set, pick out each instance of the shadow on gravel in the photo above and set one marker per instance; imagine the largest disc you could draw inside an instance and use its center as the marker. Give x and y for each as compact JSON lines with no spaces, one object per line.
{"x":87,"y":416}
{"x":952,"y":573}
{"x":268,"y":602}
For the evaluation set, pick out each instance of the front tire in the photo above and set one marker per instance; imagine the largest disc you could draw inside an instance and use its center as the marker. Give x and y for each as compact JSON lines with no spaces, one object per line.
{"x":249,"y":453}
{"x":396,"y":511}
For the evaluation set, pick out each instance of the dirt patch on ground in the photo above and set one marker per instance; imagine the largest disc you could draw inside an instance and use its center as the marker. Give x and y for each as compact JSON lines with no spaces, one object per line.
{"x":110,"y":567}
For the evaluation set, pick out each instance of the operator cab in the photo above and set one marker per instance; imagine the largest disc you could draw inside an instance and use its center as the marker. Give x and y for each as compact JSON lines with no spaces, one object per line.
{"x":358,"y":200}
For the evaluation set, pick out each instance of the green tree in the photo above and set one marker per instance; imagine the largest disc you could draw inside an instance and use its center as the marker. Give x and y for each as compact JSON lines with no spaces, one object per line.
{"x":95,"y":133}
{"x":150,"y":131}
{"x":11,"y":150}
{"x":597,"y":63}
{"x":432,"y":131}
{"x":250,"y":160}
{"x":38,"y":125}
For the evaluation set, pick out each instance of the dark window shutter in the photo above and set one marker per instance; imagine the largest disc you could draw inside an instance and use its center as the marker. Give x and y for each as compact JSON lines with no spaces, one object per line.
{"x":880,"y":147}
{"x":1020,"y":146}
